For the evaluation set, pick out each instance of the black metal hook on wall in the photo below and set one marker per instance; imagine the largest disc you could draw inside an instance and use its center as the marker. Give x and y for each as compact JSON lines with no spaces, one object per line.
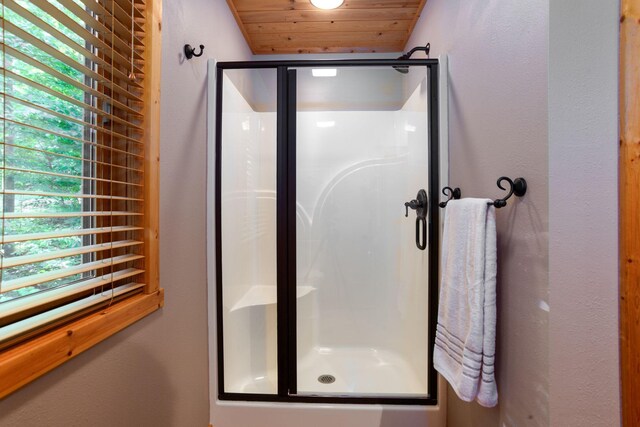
{"x":190,"y":52}
{"x":454,"y":194}
{"x":517,"y":187}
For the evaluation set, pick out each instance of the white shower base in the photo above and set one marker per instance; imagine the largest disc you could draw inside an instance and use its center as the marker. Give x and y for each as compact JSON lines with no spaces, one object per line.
{"x":358,"y":372}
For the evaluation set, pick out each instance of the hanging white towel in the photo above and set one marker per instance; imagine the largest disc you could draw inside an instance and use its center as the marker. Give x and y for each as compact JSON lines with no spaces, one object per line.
{"x":464,"y":350}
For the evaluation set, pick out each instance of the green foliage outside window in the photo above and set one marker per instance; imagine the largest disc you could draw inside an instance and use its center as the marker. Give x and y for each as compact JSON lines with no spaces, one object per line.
{"x":33,"y":140}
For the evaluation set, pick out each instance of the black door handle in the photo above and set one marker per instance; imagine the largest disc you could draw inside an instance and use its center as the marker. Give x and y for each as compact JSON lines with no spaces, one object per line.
{"x":421,"y":205}
{"x":421,"y":243}
{"x":413,"y":204}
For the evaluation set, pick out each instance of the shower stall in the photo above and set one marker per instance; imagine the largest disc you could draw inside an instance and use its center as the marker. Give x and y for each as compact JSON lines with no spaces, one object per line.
{"x":327,"y":176}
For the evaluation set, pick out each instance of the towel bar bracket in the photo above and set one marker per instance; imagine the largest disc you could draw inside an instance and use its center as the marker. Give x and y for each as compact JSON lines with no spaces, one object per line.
{"x":519,"y":187}
{"x":452,"y":194}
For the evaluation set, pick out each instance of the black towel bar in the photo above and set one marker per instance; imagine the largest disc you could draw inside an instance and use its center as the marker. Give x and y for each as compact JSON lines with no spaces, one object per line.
{"x":517,"y":187}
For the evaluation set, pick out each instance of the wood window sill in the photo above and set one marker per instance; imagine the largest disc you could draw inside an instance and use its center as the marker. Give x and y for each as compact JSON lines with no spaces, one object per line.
{"x":23,"y":363}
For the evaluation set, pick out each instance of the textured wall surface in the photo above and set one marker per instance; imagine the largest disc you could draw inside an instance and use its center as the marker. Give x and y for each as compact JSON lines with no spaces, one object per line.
{"x":583,"y":222}
{"x":498,"y":126}
{"x":156,"y":372}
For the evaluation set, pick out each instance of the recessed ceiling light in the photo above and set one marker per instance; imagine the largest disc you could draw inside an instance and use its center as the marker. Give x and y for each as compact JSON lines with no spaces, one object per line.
{"x":327,"y":4}
{"x":324,"y":72}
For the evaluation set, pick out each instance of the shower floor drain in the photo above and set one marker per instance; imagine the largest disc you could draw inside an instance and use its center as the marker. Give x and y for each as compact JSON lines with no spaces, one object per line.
{"x":326,"y":379}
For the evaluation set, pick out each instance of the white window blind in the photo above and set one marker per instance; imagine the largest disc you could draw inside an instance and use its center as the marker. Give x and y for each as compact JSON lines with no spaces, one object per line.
{"x":71,"y":158}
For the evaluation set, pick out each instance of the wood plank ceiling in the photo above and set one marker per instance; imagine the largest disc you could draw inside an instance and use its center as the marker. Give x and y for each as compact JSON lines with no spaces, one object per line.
{"x":296,"y":26}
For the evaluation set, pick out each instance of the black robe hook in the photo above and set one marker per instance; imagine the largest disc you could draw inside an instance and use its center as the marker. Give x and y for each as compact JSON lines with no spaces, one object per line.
{"x":190,"y":52}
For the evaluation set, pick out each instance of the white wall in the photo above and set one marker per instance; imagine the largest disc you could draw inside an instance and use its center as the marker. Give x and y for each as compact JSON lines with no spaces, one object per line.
{"x":156,"y":372}
{"x":498,"y":126}
{"x":583,"y":213}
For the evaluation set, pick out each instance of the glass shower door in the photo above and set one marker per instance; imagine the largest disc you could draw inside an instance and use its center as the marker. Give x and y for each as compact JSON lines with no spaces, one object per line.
{"x":247,"y":231}
{"x":362,"y":295}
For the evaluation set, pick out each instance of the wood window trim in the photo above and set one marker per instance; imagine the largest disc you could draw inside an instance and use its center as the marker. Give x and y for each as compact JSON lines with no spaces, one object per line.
{"x":30,"y":359}
{"x":629,"y":209}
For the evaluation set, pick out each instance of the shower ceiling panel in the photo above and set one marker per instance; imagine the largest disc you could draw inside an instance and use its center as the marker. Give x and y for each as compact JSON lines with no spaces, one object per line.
{"x":296,"y":26}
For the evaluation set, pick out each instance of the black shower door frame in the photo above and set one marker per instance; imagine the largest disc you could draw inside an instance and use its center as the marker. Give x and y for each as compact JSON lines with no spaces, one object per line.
{"x":286,"y":229}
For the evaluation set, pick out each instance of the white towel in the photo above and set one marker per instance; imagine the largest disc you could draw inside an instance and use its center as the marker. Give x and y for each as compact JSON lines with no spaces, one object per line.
{"x":464,"y":351}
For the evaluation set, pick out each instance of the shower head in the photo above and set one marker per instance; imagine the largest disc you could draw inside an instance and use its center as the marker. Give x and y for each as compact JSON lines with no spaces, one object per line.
{"x":401,"y":68}
{"x":404,"y":69}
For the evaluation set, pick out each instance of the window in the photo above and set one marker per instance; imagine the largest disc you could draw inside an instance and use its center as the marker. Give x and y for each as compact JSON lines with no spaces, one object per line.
{"x":78,"y":169}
